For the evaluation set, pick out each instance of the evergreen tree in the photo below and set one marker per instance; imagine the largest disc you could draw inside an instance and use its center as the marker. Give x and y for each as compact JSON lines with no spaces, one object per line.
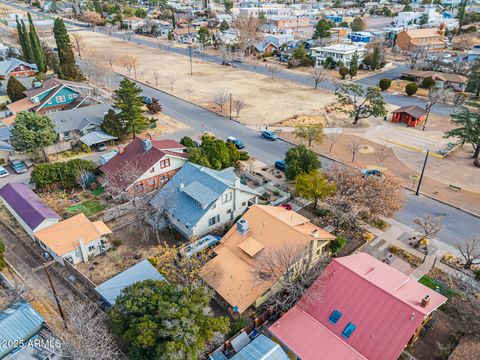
{"x":112,"y":124}
{"x":473,"y":84}
{"x":354,"y":65}
{"x":21,"y":38}
{"x":25,"y":41}
{"x":129,"y":103}
{"x":68,"y":68}
{"x":37,"y":51}
{"x":15,"y":89}
{"x":98,"y":7}
{"x":321,"y":30}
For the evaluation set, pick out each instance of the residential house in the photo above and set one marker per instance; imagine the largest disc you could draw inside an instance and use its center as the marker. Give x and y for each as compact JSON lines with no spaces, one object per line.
{"x":17,"y":68}
{"x":338,"y":52}
{"x":83,"y":124}
{"x":442,"y":80}
{"x":262,"y":48}
{"x":52,"y":96}
{"x":262,"y":230}
{"x":474,"y":54}
{"x":367,"y":310}
{"x":27,"y":208}
{"x":361,"y":37}
{"x":197,"y":200}
{"x":412,"y":115}
{"x":288,"y":24}
{"x":5,"y":150}
{"x":21,"y":324}
{"x":143,"y":165}
{"x":279,"y":40}
{"x":187,"y":35}
{"x":258,"y":348}
{"x":431,"y":39}
{"x":112,"y":288}
{"x":133,"y":22}
{"x":76,"y":239}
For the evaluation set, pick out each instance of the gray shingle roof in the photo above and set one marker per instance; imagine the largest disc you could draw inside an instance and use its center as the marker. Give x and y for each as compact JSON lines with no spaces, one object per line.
{"x":80,"y":118}
{"x":190,"y":206}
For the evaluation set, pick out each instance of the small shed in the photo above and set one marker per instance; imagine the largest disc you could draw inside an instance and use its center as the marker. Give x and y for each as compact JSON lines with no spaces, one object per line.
{"x":112,"y":288}
{"x":29,"y":210}
{"x":412,"y":115}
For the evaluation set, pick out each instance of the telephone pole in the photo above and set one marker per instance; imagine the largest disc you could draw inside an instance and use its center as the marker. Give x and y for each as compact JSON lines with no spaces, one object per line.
{"x":423,"y":171}
{"x":57,"y":300}
{"x":230,"y":106}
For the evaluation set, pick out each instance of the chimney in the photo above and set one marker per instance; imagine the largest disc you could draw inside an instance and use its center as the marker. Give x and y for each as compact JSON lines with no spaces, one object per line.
{"x":315,"y":234}
{"x":120,"y":149}
{"x":425,"y":301}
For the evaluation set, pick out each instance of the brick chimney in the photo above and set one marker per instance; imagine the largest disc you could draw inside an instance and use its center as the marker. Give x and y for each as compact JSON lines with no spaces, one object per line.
{"x":120,"y":149}
{"x":425,"y":301}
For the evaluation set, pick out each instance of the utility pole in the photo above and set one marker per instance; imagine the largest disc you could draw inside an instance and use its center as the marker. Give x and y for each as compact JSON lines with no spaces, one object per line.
{"x":57,"y":300}
{"x":190,"y":54}
{"x":230,"y":106}
{"x":423,"y":171}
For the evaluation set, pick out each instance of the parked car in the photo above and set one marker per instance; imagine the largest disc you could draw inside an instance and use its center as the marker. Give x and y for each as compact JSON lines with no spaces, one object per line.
{"x":280,"y":165}
{"x":238,"y":144}
{"x":269,"y":135}
{"x":238,"y":59}
{"x":287,"y":206}
{"x":3,"y":172}
{"x":372,"y":172}
{"x":18,"y":166}
{"x":198,"y":51}
{"x":226,"y":63}
{"x":198,"y":246}
{"x":146,"y":100}
{"x":101,"y":147}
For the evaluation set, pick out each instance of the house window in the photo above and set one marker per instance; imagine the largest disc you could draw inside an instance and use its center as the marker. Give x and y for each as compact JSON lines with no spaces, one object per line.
{"x":349,"y":329}
{"x":91,"y":248}
{"x":74,"y":96}
{"x":152,"y":170}
{"x":49,"y":102}
{"x":227,"y":197}
{"x":60,"y":99}
{"x":164,"y":163}
{"x":214,"y":220}
{"x":244,"y":204}
{"x":70,"y":96}
{"x":335,"y":316}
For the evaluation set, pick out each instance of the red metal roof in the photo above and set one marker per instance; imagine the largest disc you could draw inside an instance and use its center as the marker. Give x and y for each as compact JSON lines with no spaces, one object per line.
{"x":383,"y":304}
{"x":125,"y":168}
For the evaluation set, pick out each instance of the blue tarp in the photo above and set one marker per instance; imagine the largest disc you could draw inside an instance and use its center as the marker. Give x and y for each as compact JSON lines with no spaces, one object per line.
{"x":111,"y":289}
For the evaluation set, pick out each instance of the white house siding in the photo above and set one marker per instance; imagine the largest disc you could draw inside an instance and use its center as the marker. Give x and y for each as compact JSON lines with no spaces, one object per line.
{"x":77,"y":253}
{"x":175,"y":163}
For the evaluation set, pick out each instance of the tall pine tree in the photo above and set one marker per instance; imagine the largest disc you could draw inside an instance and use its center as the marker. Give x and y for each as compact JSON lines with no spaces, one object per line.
{"x":15,"y":89}
{"x":24,"y":40}
{"x":37,"y":50}
{"x":68,"y":68}
{"x":28,"y":45}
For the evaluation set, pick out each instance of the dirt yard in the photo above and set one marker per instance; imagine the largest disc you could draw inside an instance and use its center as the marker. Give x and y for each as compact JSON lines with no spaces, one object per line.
{"x":268,"y":100}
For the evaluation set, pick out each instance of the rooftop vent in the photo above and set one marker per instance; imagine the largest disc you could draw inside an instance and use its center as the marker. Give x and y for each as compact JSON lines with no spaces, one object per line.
{"x":243,"y":226}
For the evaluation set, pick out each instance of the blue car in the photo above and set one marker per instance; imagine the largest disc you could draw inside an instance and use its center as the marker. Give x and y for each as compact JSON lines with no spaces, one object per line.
{"x":269,"y":135}
{"x":238,"y":144}
{"x":18,"y":166}
{"x":280,"y":165}
{"x":372,"y":172}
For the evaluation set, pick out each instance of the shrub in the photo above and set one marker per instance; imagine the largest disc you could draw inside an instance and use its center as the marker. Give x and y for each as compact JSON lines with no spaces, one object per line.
{"x":449,"y":257}
{"x":368,"y":236}
{"x":343,"y":71}
{"x":424,"y":242}
{"x":413,"y":260}
{"x":411,"y":89}
{"x":322,"y":212}
{"x":244,"y":155}
{"x":187,"y":142}
{"x":238,"y":324}
{"x":337,"y":244}
{"x":427,"y":82}
{"x":380,"y":224}
{"x":61,"y":174}
{"x":384,"y":84}
{"x":477,"y":274}
{"x":117,"y":243}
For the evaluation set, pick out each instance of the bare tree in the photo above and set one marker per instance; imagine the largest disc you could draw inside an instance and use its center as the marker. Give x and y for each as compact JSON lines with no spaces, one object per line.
{"x":248,"y":31}
{"x":290,"y":271}
{"x":83,"y":178}
{"x":239,"y":105}
{"x":332,"y":139}
{"x":435,"y":96}
{"x":78,"y":42}
{"x":413,"y":58}
{"x":156,"y":76}
{"x":272,"y":69}
{"x":172,"y":80}
{"x":318,"y":74}
{"x":470,"y":251}
{"x":354,"y":147}
{"x":458,"y":101}
{"x":383,"y":153}
{"x":87,"y":336}
{"x":221,"y":98}
{"x":429,"y":226}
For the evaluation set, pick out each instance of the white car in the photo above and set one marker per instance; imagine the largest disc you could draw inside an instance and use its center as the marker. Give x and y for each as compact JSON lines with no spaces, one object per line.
{"x":3,"y":172}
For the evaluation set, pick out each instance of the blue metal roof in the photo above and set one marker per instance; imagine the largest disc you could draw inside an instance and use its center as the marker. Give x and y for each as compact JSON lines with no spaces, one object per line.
{"x":261,"y":348}
{"x":5,"y":133}
{"x":111,"y":289}
{"x":19,"y":321}
{"x":200,"y":193}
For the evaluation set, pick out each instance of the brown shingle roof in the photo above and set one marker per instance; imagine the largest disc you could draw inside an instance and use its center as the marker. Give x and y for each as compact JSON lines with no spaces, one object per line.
{"x":467,"y":349}
{"x":412,"y":110}
{"x":20,"y":105}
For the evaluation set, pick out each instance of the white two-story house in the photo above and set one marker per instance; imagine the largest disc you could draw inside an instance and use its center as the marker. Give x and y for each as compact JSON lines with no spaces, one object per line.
{"x":198,"y":199}
{"x":338,"y":52}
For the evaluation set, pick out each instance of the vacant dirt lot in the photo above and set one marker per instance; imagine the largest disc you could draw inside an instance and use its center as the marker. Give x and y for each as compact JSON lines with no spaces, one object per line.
{"x":267,"y":100}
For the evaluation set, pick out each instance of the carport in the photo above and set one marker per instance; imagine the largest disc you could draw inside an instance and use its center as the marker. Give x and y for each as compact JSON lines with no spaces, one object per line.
{"x":97,"y":137}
